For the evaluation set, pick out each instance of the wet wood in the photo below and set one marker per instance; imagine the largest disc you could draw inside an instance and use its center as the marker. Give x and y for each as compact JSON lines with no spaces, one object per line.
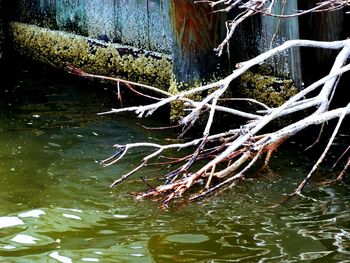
{"x":196,"y":32}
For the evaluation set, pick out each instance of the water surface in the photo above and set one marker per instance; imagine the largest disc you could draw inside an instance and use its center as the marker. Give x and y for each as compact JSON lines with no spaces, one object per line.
{"x":56,"y":205}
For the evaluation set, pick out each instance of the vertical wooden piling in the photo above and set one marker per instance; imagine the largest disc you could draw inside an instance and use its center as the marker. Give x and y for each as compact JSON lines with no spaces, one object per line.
{"x":196,"y":32}
{"x":323,"y":26}
{"x":275,"y":31}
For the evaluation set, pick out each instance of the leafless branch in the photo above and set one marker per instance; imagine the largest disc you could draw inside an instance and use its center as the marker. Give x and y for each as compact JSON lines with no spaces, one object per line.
{"x":264,"y":7}
{"x":237,"y":149}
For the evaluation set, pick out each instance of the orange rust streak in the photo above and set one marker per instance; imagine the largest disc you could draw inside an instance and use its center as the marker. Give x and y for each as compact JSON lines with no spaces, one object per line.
{"x":194,"y":25}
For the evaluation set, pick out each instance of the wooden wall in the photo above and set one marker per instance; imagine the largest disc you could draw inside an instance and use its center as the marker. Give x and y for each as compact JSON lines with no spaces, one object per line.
{"x":189,"y":32}
{"x":142,"y":24}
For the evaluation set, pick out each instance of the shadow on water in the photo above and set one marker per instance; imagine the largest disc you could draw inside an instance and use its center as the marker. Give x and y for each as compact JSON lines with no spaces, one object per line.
{"x":56,"y":205}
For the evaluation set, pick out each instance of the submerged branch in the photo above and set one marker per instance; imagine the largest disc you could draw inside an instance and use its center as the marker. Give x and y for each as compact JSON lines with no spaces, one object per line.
{"x":227,"y":152}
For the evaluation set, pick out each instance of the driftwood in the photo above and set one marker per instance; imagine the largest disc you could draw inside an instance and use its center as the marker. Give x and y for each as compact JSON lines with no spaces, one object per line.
{"x":231,"y":153}
{"x":237,"y":150}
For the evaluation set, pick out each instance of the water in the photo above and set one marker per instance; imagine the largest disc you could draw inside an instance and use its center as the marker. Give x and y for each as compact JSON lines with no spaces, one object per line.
{"x":56,"y":205}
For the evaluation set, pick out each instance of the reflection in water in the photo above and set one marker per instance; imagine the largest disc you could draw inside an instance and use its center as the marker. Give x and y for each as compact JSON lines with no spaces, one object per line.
{"x":7,"y":221}
{"x":56,"y":205}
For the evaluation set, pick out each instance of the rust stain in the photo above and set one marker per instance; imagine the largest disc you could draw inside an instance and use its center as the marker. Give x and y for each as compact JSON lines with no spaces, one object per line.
{"x":194,"y":26}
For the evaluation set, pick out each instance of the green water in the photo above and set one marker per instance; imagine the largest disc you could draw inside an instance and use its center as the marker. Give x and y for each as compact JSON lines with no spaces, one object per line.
{"x":56,"y":205}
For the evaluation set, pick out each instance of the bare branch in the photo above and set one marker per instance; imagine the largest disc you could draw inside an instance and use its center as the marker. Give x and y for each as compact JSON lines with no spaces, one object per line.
{"x":253,"y":7}
{"x":227,"y":152}
{"x":317,"y":164}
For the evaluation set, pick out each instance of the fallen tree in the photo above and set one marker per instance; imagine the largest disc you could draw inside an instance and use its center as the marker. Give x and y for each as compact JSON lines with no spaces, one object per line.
{"x":237,"y":150}
{"x":230,"y":154}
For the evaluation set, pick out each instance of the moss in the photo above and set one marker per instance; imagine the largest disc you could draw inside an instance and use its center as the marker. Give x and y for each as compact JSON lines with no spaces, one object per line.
{"x":268,"y":89}
{"x":59,"y":49}
{"x":177,"y":107}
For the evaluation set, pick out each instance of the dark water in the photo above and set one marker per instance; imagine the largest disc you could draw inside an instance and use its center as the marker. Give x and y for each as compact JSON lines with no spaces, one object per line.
{"x":56,"y":205}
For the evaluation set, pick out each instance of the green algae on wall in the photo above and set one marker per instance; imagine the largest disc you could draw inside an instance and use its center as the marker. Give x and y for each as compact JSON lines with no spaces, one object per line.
{"x":138,"y":23}
{"x":60,"y":49}
{"x":271,"y":90}
{"x":177,"y":107}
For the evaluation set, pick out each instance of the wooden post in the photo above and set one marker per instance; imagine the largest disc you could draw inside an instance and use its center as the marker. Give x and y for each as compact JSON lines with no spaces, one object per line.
{"x":196,"y":32}
{"x":323,"y":26}
{"x":275,"y":31}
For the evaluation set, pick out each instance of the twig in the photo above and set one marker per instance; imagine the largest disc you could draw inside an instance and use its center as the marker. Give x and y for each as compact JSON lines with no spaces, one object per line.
{"x":230,"y":180}
{"x":231,"y":150}
{"x":342,"y":174}
{"x":78,"y":72}
{"x":253,"y":7}
{"x":249,"y":100}
{"x":125,"y":176}
{"x":341,"y":156}
{"x":317,"y":164}
{"x":160,"y":128}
